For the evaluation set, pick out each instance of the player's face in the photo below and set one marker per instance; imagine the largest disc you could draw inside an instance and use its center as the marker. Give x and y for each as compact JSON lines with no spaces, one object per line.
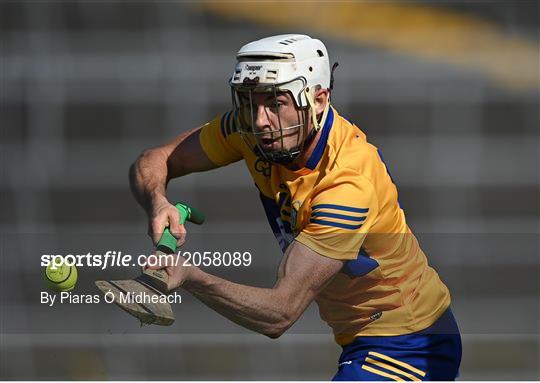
{"x":278,"y":124}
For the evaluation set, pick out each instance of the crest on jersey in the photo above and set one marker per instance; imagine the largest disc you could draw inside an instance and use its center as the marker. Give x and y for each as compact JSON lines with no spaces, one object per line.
{"x":263,"y":166}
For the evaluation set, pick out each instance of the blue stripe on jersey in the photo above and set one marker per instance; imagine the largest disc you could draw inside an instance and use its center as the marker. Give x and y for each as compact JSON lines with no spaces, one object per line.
{"x":382,"y":160}
{"x":335,"y":224}
{"x":321,"y":144}
{"x":234,"y":122}
{"x":360,"y":266}
{"x":317,"y":214}
{"x":271,"y":209}
{"x":346,"y":119}
{"x":341,"y":207}
{"x":222,"y":125}
{"x":229,"y":123}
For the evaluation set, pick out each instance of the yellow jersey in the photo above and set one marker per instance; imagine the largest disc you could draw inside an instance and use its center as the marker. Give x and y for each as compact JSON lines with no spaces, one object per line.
{"x":344,"y":205}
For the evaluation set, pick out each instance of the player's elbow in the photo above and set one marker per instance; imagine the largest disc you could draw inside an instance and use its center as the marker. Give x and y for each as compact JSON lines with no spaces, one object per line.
{"x":275,"y":332}
{"x":144,"y":157}
{"x":286,"y":315}
{"x":147,"y":156}
{"x":149,"y":160}
{"x":277,"y":329}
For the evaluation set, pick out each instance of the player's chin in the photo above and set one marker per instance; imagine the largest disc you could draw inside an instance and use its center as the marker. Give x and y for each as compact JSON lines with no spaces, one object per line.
{"x":269,"y":144}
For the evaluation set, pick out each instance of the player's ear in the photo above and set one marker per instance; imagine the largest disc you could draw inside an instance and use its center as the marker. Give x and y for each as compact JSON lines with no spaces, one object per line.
{"x":320,"y":100}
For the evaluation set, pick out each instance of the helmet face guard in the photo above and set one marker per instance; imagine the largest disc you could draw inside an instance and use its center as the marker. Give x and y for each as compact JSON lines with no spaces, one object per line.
{"x":294,"y":63}
{"x":278,"y":151}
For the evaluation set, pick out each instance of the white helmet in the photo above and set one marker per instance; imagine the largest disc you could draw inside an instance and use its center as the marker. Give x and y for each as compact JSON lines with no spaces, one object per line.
{"x":282,"y":60}
{"x":293,"y":63}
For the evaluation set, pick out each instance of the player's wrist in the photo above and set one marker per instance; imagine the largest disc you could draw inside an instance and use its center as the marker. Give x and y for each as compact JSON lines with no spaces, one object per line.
{"x":155,"y":200}
{"x":194,"y":277}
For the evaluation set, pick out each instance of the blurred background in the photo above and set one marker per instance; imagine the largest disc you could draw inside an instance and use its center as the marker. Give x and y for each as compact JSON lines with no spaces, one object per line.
{"x":449,"y":92}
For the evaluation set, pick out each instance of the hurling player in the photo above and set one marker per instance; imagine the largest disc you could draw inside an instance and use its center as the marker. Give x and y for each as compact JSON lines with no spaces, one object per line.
{"x":333,"y":208}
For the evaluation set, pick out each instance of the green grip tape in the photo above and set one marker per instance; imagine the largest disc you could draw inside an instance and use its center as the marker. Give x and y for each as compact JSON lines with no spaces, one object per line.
{"x":167,"y":242}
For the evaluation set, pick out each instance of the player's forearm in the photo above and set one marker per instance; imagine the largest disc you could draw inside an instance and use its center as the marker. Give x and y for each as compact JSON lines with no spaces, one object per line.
{"x":148,"y":178}
{"x":154,"y":168}
{"x":266,"y":311}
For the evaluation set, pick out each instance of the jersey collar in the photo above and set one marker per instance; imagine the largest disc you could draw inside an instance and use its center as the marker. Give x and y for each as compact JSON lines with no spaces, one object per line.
{"x":317,"y":153}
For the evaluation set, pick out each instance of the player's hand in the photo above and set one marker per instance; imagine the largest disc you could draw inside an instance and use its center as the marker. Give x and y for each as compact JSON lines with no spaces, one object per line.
{"x":164,"y":214}
{"x":173,"y":264}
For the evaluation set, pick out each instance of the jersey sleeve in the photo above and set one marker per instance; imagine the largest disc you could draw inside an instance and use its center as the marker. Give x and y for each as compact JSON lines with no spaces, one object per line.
{"x":340,"y":217}
{"x":221,"y":141}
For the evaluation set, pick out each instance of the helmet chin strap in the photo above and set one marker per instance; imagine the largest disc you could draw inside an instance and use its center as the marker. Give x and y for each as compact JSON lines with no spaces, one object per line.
{"x":317,"y":125}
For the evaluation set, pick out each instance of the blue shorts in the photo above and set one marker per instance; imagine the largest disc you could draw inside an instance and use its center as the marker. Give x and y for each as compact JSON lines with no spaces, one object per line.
{"x":431,"y":354}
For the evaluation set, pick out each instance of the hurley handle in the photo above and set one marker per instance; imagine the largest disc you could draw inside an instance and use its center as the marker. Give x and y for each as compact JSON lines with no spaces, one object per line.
{"x":167,"y":243}
{"x":159,"y":279}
